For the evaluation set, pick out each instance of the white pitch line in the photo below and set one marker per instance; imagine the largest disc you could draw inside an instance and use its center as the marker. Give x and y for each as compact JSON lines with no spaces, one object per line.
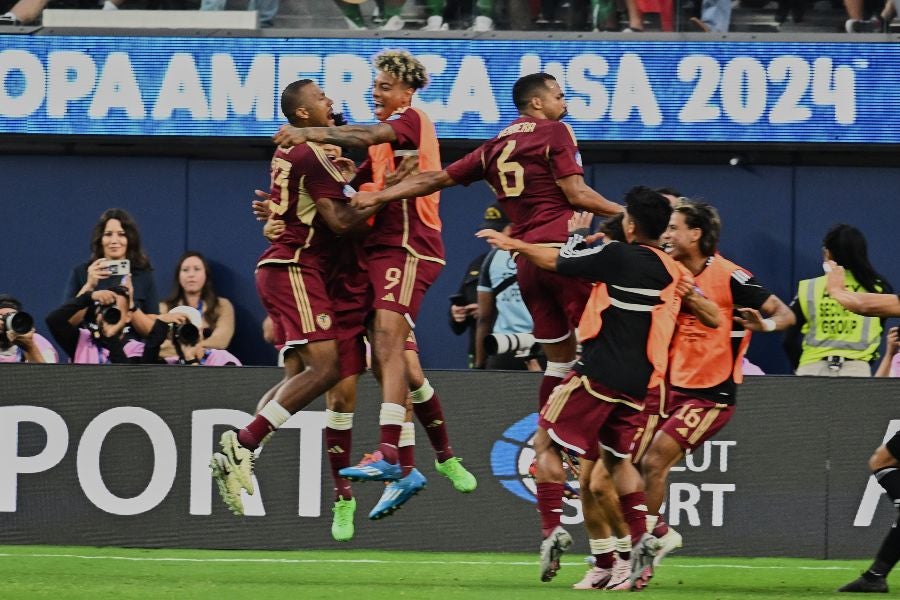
{"x":378,"y":561}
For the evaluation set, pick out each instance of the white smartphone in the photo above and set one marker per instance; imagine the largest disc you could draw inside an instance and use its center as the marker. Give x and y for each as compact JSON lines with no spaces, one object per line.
{"x":118,"y":267}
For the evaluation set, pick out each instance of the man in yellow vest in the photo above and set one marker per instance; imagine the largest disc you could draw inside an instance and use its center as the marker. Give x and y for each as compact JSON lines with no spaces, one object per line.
{"x":835,"y":341}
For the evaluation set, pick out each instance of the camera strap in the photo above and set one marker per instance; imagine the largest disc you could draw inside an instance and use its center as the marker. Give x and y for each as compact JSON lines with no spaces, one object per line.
{"x":504,"y":284}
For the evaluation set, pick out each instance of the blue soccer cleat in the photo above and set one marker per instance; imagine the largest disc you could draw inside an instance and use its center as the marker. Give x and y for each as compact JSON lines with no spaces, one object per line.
{"x":396,"y":493}
{"x":372,"y":467}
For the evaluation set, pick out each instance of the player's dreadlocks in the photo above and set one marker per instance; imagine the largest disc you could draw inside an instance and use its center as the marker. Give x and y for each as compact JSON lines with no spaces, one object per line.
{"x":404,"y":66}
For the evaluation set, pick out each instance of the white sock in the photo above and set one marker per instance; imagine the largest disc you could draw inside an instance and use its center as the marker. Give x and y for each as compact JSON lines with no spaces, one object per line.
{"x":337,"y":420}
{"x":392,"y":414}
{"x":623,"y":544}
{"x":423,"y":394}
{"x":603,"y":545}
{"x":275,"y":414}
{"x":407,"y":435}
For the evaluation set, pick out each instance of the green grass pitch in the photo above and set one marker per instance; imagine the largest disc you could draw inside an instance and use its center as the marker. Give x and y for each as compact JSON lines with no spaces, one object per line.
{"x":96,"y":573}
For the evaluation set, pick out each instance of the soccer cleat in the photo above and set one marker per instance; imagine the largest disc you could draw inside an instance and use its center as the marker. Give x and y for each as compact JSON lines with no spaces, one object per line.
{"x":483,"y":24}
{"x":396,"y":493}
{"x":342,"y":523}
{"x":642,"y":555}
{"x":596,"y":578}
{"x":620,"y":577}
{"x":395,"y":23}
{"x":229,"y":487}
{"x":462,"y":480}
{"x":232,"y":470}
{"x":670,"y":542}
{"x":867,"y":583}
{"x":552,"y":549}
{"x":372,"y":467}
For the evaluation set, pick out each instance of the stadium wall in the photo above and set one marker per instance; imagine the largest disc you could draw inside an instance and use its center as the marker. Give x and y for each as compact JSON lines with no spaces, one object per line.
{"x":101,"y":456}
{"x":774,"y":220}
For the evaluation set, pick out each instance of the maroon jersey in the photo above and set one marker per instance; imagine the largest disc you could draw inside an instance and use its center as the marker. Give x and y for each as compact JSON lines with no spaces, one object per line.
{"x":412,"y":224}
{"x":522,"y":165}
{"x":300,"y":176}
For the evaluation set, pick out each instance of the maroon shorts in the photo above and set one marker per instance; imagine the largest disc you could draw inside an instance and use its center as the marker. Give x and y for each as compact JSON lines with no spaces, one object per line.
{"x":648,"y":422}
{"x":411,"y":343}
{"x":555,"y":301}
{"x":298,"y":303}
{"x":582,"y":415}
{"x":399,"y":280}
{"x":694,"y":420}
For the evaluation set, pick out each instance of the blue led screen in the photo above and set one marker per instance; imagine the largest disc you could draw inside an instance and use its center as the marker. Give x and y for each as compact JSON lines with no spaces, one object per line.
{"x":617,"y":91}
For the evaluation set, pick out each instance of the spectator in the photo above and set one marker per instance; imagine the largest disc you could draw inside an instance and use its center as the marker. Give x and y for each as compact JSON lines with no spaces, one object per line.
{"x":827,"y":338}
{"x":890,"y":363}
{"x":115,"y":237}
{"x":501,"y":310}
{"x":106,"y":314}
{"x":188,"y":342}
{"x":18,"y":340}
{"x":193,"y":286}
{"x":266,"y":10}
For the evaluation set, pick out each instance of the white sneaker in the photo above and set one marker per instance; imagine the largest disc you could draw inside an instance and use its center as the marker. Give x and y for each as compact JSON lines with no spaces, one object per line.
{"x":395,"y":23}
{"x":620,"y":576}
{"x":483,"y":24}
{"x":436,"y":23}
{"x":667,"y":543}
{"x":595,"y":579}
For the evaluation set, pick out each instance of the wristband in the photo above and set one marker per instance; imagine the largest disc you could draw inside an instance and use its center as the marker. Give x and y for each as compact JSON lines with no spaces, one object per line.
{"x":768,"y":324}
{"x":193,"y":361}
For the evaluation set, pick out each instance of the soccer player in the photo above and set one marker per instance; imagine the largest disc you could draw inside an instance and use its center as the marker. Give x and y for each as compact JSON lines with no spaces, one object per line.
{"x":627,"y":327}
{"x":404,"y":256}
{"x":534,"y":167}
{"x":704,"y":362}
{"x":885,"y":462}
{"x":308,"y":196}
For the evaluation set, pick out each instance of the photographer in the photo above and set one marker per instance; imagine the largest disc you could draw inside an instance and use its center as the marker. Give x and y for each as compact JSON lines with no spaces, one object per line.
{"x":18,"y":340}
{"x":187,"y":339}
{"x":503,"y":337}
{"x":107,"y":314}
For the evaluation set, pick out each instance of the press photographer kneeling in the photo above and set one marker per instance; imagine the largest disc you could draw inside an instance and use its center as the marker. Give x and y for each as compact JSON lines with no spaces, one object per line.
{"x":107,"y":314}
{"x":187,"y":338}
{"x":18,"y":340}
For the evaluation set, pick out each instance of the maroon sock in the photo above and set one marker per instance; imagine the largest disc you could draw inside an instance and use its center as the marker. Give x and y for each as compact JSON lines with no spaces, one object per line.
{"x":390,"y":439}
{"x":253,"y":434}
{"x":634,"y":509}
{"x":661,"y":529}
{"x":547,"y":385}
{"x":549,"y":501}
{"x":407,"y":456}
{"x":605,"y":560}
{"x":337,"y":445}
{"x":431,"y":415}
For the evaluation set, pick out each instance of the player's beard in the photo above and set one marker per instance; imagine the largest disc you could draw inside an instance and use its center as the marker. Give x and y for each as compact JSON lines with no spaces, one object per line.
{"x":338,"y":119}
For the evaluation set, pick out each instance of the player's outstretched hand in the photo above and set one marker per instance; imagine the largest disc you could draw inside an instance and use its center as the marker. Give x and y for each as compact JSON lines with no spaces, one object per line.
{"x":260,"y":206}
{"x":497,"y":239}
{"x":288,"y":136}
{"x":751,"y":319}
{"x":346,"y":166}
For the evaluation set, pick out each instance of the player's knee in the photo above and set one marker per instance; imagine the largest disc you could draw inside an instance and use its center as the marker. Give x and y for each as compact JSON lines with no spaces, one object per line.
{"x":601,"y":486}
{"x":653,"y":464}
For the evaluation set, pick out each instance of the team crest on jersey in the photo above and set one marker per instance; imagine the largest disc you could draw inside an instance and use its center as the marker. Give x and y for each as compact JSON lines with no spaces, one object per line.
{"x":578,"y":158}
{"x":324,"y":321}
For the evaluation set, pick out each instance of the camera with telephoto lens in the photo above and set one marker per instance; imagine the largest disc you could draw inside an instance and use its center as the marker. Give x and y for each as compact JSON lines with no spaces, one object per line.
{"x":186,"y":334}
{"x":505,"y":343}
{"x":111,"y":315}
{"x":18,"y":322}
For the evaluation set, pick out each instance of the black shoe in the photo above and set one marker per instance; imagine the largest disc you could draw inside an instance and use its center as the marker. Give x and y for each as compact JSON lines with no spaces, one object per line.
{"x":867,"y":583}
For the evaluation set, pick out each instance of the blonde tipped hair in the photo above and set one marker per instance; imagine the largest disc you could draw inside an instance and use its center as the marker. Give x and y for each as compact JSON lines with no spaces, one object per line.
{"x":404,"y":66}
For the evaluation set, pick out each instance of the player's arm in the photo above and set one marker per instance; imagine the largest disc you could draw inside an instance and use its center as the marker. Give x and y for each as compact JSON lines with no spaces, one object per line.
{"x":780,"y":316}
{"x":583,"y":196}
{"x":868,"y":304}
{"x":706,"y":311}
{"x":347,"y":136}
{"x":542,"y":256}
{"x":487,"y":315}
{"x":414,"y":186}
{"x":342,"y":218}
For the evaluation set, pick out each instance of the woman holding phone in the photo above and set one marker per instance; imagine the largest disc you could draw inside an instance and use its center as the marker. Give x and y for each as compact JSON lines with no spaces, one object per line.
{"x":117,"y":258}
